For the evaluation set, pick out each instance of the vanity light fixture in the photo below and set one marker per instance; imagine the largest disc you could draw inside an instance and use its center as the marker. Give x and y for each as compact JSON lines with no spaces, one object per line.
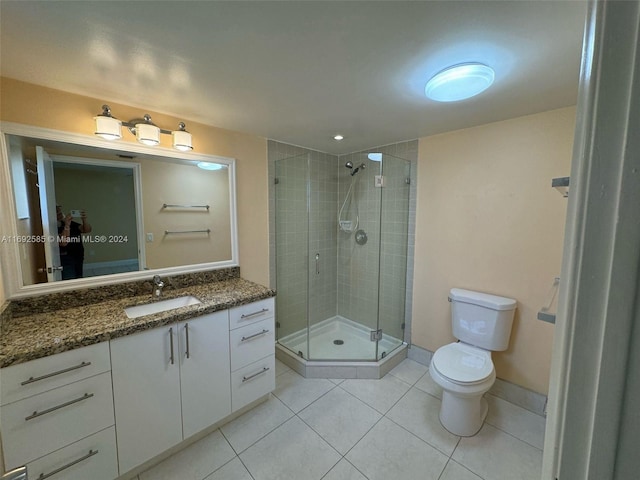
{"x":459,"y":82}
{"x":146,"y":132}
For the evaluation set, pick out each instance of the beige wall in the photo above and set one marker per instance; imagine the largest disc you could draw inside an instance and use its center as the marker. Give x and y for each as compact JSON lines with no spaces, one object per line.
{"x":43,"y":107}
{"x":488,"y":220}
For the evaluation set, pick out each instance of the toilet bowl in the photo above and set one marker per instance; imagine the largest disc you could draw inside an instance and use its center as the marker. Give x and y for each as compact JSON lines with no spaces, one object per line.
{"x":464,"y":369}
{"x":465,"y":374}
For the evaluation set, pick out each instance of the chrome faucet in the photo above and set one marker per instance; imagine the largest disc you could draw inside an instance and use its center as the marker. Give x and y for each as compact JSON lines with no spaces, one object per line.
{"x":158,"y":284}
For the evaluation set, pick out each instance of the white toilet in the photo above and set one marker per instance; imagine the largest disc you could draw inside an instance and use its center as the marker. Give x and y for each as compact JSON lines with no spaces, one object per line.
{"x":464,"y":369}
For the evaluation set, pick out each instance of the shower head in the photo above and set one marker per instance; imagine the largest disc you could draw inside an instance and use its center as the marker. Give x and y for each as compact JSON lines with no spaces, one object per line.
{"x":348,"y":165}
{"x":357,"y":169}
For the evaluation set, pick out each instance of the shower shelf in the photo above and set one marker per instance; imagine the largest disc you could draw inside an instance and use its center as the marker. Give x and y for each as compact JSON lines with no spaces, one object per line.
{"x":562,"y":185}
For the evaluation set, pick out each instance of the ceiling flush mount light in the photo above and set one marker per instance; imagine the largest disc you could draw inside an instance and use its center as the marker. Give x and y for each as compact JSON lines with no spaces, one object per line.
{"x":459,"y":82}
{"x":146,"y":132}
{"x":338,"y":137}
{"x":209,"y":166}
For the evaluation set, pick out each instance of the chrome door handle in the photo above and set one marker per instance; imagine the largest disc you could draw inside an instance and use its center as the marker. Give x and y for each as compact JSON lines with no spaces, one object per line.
{"x":317,"y":264}
{"x":57,"y":407}
{"x":264,"y":369}
{"x":244,"y":339}
{"x":58,"y":372}
{"x":50,"y":269}
{"x":186,"y":331}
{"x":171,"y":345}
{"x":91,"y":453}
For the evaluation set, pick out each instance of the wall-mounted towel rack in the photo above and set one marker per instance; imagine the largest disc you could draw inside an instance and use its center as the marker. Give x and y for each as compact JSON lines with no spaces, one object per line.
{"x":562,"y":185}
{"x":171,"y":232}
{"x":544,"y":313}
{"x":173,"y":205}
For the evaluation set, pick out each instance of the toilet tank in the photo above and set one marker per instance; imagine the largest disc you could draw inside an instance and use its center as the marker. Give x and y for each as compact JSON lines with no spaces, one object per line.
{"x":481,"y":319}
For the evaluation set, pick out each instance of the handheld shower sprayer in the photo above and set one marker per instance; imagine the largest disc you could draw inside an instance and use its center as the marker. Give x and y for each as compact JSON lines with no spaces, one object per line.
{"x":357,"y":169}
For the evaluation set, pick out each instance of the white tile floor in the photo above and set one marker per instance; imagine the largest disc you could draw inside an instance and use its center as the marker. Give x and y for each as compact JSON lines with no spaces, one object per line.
{"x":360,"y":429}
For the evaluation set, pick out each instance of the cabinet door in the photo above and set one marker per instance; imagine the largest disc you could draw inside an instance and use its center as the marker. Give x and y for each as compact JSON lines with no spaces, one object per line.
{"x":204,"y":371}
{"x":146,"y":392}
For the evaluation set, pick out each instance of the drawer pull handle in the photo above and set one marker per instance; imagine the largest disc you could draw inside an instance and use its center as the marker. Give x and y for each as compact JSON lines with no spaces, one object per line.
{"x":58,"y":407}
{"x":246,"y":379}
{"x":244,"y":339}
{"x":48,"y":375}
{"x":91,"y":453}
{"x":248,"y":315}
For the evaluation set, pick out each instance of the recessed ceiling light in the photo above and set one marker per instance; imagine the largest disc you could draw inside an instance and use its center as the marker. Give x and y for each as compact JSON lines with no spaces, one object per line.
{"x":338,"y":137}
{"x":459,"y":82}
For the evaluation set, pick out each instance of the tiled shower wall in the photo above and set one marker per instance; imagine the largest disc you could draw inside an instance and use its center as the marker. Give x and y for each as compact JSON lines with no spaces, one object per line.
{"x":380,"y":273}
{"x":346,"y":281}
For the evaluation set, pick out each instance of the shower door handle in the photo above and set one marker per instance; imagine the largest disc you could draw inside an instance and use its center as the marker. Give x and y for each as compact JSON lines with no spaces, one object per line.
{"x":317,"y":264}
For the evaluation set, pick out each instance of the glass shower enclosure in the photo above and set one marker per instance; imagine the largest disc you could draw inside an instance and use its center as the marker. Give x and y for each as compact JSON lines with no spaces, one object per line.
{"x":341,"y":243}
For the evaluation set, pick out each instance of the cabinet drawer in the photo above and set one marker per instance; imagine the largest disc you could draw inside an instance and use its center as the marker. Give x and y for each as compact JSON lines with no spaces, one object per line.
{"x":37,"y":376}
{"x":251,"y":382}
{"x":251,"y":313}
{"x":40,"y":424}
{"x":92,"y":457}
{"x":251,"y":343}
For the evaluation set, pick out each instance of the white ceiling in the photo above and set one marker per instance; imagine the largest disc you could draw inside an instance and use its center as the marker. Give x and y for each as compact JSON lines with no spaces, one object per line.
{"x":300,"y":71}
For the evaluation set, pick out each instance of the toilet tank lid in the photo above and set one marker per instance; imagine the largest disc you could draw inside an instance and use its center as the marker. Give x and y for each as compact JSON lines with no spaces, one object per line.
{"x":484,"y":299}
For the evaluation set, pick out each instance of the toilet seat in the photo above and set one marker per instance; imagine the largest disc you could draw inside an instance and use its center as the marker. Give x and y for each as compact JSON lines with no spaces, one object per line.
{"x":463,"y":364}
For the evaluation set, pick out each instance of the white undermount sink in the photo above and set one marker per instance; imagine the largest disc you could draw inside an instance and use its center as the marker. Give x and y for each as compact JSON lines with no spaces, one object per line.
{"x":161,"y":306}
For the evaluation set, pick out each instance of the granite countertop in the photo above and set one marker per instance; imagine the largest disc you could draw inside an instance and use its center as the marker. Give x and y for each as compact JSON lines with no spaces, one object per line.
{"x":29,"y":336}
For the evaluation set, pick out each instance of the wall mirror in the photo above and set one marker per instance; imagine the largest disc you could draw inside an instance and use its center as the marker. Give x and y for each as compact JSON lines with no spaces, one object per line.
{"x":132,"y":211}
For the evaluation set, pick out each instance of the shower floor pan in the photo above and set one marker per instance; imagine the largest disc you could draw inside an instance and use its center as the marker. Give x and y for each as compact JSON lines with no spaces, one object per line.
{"x":340,"y":348}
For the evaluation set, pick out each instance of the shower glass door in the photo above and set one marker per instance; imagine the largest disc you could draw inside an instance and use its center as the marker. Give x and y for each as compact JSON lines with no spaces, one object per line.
{"x":394,"y":246}
{"x":292,"y":252}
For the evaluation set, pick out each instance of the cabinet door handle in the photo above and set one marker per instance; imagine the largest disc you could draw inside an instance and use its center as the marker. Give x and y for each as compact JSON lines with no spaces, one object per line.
{"x":248,"y":315}
{"x":48,"y":375}
{"x":58,"y":407}
{"x":171,"y":345}
{"x":42,"y":476}
{"x":186,"y":331}
{"x":246,"y":379}
{"x":244,"y":339}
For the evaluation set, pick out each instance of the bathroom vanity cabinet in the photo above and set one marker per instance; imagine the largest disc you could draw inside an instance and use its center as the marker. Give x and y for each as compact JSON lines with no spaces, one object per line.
{"x":57,"y":415}
{"x":102,"y":410}
{"x":168,"y":384}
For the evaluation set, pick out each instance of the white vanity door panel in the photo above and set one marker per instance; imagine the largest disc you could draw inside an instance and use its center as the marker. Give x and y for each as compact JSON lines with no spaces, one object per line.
{"x":38,"y":425}
{"x":93,"y":457}
{"x":37,"y":376}
{"x":204,"y":375}
{"x":251,"y":343}
{"x":146,"y":392}
{"x":251,"y":313}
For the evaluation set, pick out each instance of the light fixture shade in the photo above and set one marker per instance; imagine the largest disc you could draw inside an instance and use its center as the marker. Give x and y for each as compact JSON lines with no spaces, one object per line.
{"x":147,"y":134}
{"x":181,"y":140}
{"x":108,"y":128}
{"x":459,"y":82}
